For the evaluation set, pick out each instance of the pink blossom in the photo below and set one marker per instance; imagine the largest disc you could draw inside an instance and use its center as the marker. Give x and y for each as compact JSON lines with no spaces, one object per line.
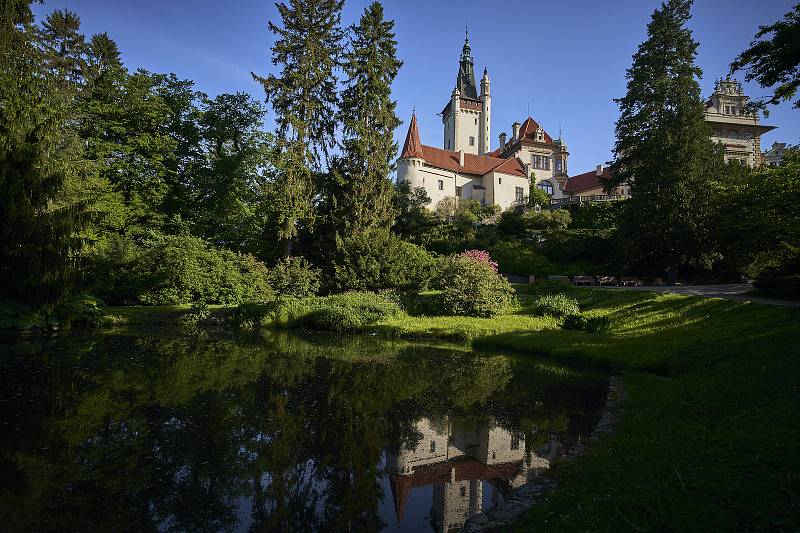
{"x":480,"y":256}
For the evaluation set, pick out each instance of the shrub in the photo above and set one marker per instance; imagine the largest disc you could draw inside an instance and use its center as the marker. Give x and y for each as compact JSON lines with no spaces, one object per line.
{"x":480,"y":256}
{"x":378,"y":260}
{"x":472,"y":288}
{"x":522,"y":259}
{"x":349,"y":311}
{"x":159,"y":269}
{"x":555,"y":220}
{"x":556,"y":306}
{"x":294,"y":276}
{"x":594,"y":324}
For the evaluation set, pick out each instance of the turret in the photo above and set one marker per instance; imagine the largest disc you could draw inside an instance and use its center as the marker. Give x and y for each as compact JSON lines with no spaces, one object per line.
{"x":412,"y":158}
{"x":485,"y":134}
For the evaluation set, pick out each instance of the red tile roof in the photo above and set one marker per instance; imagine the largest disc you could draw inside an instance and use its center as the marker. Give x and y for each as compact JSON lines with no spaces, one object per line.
{"x":412,"y":146}
{"x":528,"y":131}
{"x":585,"y":181}
{"x":440,"y":473}
{"x":478,"y":165}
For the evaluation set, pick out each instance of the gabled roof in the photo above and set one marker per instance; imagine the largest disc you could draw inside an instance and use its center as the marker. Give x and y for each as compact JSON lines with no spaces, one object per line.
{"x":412,"y":147}
{"x":528,"y":131}
{"x":478,"y":165}
{"x":441,"y":473}
{"x":586,"y":181}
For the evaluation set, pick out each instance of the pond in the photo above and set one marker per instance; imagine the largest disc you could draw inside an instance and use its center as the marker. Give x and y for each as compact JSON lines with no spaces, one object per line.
{"x":161,"y":432}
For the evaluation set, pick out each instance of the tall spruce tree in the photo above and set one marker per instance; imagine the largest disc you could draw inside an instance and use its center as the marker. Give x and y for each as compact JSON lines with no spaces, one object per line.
{"x":307,"y":49}
{"x":663,"y":149}
{"x":360,"y":189}
{"x":37,"y":154}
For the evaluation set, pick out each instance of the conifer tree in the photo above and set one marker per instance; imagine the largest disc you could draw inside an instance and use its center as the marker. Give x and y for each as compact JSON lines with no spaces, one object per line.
{"x":307,"y":50}
{"x":360,"y":189}
{"x":663,"y":149}
{"x":37,"y":154}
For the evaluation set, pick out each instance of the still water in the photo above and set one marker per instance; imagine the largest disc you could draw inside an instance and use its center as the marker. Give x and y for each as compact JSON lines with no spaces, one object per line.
{"x":158,"y":432}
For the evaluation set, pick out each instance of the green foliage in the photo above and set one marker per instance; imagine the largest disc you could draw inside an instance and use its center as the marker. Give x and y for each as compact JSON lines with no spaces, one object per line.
{"x":773,"y":60}
{"x":597,"y":215}
{"x":294,"y":276}
{"x":177,"y":269}
{"x":377,"y":259}
{"x":781,"y":279}
{"x":350,"y":311}
{"x":522,"y":259}
{"x":589,"y":324}
{"x":538,"y":197}
{"x":550,"y":221}
{"x":359,"y":188}
{"x":39,"y":156}
{"x":663,"y":150}
{"x":556,"y":305}
{"x":471,"y":288}
{"x":306,"y":50}
{"x":413,"y":219}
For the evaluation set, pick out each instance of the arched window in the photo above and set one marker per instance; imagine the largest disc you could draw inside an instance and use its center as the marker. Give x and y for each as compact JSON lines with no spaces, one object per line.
{"x":546,"y":186}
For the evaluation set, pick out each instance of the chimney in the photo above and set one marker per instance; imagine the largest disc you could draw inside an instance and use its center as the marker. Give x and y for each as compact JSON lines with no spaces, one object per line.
{"x":461,"y":157}
{"x":599,"y":170}
{"x":515,"y":131}
{"x":502,"y":139}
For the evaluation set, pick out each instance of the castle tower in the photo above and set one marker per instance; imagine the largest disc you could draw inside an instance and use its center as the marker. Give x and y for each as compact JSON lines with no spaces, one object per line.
{"x":466,"y":116}
{"x":412,"y":159}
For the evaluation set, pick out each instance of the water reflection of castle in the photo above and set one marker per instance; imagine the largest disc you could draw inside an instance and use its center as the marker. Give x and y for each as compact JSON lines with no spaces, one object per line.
{"x":456,"y":460}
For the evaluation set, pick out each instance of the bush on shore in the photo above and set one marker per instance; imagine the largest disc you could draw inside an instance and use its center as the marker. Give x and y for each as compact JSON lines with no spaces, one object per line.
{"x":159,"y":269}
{"x":350,"y":311}
{"x":379,"y":260}
{"x":294,"y":276}
{"x":472,"y":288}
{"x":559,"y":306}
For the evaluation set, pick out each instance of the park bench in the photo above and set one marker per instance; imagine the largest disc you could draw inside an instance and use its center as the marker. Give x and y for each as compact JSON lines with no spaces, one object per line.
{"x":606,"y":280}
{"x":583,"y":280}
{"x":630,"y":282}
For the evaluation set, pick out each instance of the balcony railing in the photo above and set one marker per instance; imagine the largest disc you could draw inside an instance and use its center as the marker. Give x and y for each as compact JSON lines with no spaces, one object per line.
{"x":573,"y":200}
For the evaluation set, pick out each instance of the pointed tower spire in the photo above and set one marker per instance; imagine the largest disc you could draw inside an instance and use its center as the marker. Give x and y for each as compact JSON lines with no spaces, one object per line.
{"x":412,"y":147}
{"x":465,"y":81}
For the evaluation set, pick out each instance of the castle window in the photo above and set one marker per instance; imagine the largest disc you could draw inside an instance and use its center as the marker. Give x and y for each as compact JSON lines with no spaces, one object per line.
{"x":476,"y":121}
{"x":558,"y":165}
{"x":546,"y":163}
{"x":499,"y":181}
{"x":727,"y":110}
{"x":472,"y":141}
{"x":519,"y":194}
{"x":441,"y":185}
{"x":433,"y":446}
{"x":458,"y":191}
{"x":463,"y":491}
{"x":515,"y":441}
{"x":546,"y":186}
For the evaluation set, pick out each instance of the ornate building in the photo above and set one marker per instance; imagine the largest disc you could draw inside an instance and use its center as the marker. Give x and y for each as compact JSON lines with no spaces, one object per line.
{"x":466,"y":167}
{"x":733,"y":125}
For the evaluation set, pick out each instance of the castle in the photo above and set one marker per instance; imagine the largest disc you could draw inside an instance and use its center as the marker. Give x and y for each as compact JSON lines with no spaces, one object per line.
{"x":466,"y":167}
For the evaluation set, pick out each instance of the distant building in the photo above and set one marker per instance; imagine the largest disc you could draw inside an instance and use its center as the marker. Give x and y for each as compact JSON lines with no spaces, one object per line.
{"x":774,"y":156}
{"x":733,"y":125}
{"x":588,"y":187}
{"x":466,"y":166}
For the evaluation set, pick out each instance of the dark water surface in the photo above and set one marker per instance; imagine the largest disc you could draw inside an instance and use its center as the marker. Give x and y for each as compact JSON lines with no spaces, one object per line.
{"x":157,"y":432}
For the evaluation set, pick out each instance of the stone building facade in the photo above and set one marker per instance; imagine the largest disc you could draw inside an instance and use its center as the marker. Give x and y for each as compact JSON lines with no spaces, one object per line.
{"x":466,"y":166}
{"x":733,"y":125}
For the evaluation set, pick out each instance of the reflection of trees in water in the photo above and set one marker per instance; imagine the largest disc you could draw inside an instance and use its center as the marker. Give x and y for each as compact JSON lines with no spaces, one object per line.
{"x":148,"y":432}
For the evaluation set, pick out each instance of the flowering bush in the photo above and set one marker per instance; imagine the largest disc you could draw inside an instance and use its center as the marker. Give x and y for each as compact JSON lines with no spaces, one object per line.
{"x":480,"y":256}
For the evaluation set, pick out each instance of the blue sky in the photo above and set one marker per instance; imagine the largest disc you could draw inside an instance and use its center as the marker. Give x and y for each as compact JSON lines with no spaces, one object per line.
{"x":564,"y":61}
